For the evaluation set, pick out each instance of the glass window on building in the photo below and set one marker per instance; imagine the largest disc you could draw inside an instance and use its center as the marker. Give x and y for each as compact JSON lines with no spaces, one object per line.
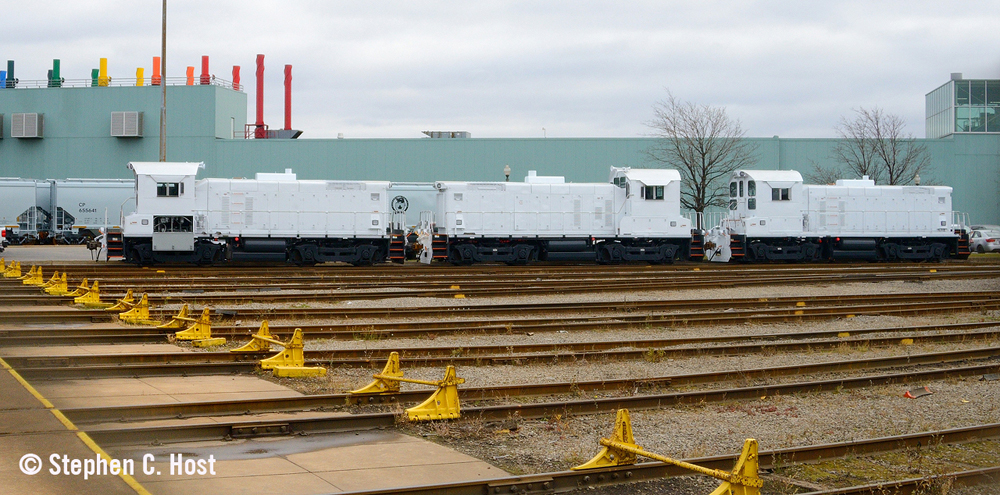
{"x":961,"y":92}
{"x":993,"y":93}
{"x":977,"y":92}
{"x":992,"y":120}
{"x":962,"y":119}
{"x":977,"y":119}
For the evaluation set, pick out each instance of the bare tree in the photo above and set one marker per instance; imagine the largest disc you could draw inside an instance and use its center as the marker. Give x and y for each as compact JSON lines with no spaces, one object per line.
{"x":704,"y":145}
{"x":875,"y":144}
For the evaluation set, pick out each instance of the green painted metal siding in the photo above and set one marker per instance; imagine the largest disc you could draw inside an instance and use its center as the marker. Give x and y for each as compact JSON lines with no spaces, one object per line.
{"x":200,"y":120}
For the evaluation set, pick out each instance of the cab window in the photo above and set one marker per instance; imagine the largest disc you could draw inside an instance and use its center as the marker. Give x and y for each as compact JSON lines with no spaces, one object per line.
{"x":751,"y":188}
{"x":779,"y":194}
{"x":652,"y":192}
{"x":732,"y":189}
{"x":741,"y":189}
{"x":169,"y":189}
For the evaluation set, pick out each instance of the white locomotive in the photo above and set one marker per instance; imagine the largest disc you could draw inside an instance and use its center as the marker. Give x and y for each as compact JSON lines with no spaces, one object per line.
{"x":773,"y":216}
{"x":635,"y":216}
{"x":272,"y":217}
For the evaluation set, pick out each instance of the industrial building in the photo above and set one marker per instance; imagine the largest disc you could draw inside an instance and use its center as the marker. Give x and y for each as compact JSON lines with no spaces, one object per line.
{"x":53,"y":129}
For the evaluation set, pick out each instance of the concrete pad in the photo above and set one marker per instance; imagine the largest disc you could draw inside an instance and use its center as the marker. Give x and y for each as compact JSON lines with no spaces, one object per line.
{"x":215,"y":384}
{"x":29,"y":421}
{"x":299,"y":484}
{"x":393,"y":477}
{"x":66,"y":443}
{"x":104,"y":387}
{"x":334,"y":462}
{"x":90,"y":349}
{"x":397,"y":450}
{"x":112,"y":401}
{"x":15,"y":396}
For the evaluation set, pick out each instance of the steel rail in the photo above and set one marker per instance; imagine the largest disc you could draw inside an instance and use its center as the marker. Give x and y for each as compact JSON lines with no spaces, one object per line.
{"x":971,"y":477}
{"x":630,"y":385}
{"x":36,"y":368}
{"x":533,"y":288}
{"x":113,"y":434}
{"x":494,"y":310}
{"x":428,"y":355}
{"x":564,"y":481}
{"x":398,"y":329}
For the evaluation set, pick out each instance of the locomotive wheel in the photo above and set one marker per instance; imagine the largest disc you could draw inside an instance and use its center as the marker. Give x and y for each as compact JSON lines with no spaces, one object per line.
{"x":523,"y":254}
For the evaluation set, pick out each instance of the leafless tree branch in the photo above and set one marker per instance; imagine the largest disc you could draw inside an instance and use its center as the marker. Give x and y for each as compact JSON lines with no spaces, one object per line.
{"x":874,"y":144}
{"x":704,"y":145}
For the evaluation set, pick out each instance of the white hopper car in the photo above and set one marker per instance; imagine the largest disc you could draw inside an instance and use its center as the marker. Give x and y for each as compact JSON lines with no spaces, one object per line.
{"x":773,"y":216}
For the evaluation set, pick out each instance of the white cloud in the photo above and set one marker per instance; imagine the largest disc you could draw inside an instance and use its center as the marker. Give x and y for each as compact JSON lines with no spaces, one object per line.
{"x":506,"y":69}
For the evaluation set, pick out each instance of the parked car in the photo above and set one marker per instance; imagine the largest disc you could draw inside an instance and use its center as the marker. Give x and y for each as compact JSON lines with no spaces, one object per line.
{"x":984,"y":241}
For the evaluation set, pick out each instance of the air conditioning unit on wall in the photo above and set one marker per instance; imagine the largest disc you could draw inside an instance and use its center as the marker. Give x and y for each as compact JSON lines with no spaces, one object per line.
{"x":126,"y":124}
{"x":26,"y":125}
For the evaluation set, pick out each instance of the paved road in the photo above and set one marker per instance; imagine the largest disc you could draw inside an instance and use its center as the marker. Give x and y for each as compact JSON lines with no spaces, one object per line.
{"x":48,"y":253}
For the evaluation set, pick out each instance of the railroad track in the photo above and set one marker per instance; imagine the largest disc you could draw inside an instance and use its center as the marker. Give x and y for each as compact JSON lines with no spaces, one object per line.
{"x":713,"y":312}
{"x":191,"y":364}
{"x":565,"y":481}
{"x":272,"y":290}
{"x":94,"y":415}
{"x":222,"y":428}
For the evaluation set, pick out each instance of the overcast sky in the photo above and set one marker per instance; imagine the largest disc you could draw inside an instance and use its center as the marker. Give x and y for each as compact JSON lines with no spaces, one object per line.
{"x":509,"y":69}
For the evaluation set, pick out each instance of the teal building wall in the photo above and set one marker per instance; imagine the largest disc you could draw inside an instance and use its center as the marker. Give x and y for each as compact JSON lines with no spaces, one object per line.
{"x":202,"y":121}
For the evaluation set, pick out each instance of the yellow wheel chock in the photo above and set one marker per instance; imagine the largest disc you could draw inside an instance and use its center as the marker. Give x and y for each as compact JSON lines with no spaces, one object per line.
{"x":80,"y":289}
{"x":52,"y":281}
{"x":180,"y":321}
{"x":31,"y":273}
{"x":138,"y":314}
{"x":34,"y":277}
{"x":13,"y":271}
{"x":386,"y":382}
{"x":200,"y":331}
{"x":290,"y":362}
{"x":92,"y":298}
{"x":443,"y":403}
{"x":259,"y":342}
{"x":621,"y":450}
{"x":124,"y":304}
{"x":60,"y":288}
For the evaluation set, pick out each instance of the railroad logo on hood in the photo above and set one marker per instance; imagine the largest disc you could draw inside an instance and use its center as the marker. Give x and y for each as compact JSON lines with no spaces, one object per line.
{"x":400,"y":204}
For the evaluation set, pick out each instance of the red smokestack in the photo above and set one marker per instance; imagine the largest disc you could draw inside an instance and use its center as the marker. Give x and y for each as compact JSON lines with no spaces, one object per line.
{"x":205,"y":78}
{"x":236,"y":77}
{"x":259,"y":132}
{"x":288,"y":97}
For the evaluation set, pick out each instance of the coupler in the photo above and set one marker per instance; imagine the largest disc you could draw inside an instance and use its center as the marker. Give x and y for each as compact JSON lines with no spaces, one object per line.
{"x":259,"y":342}
{"x":291,"y":362}
{"x":200,"y":331}
{"x":621,"y":450}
